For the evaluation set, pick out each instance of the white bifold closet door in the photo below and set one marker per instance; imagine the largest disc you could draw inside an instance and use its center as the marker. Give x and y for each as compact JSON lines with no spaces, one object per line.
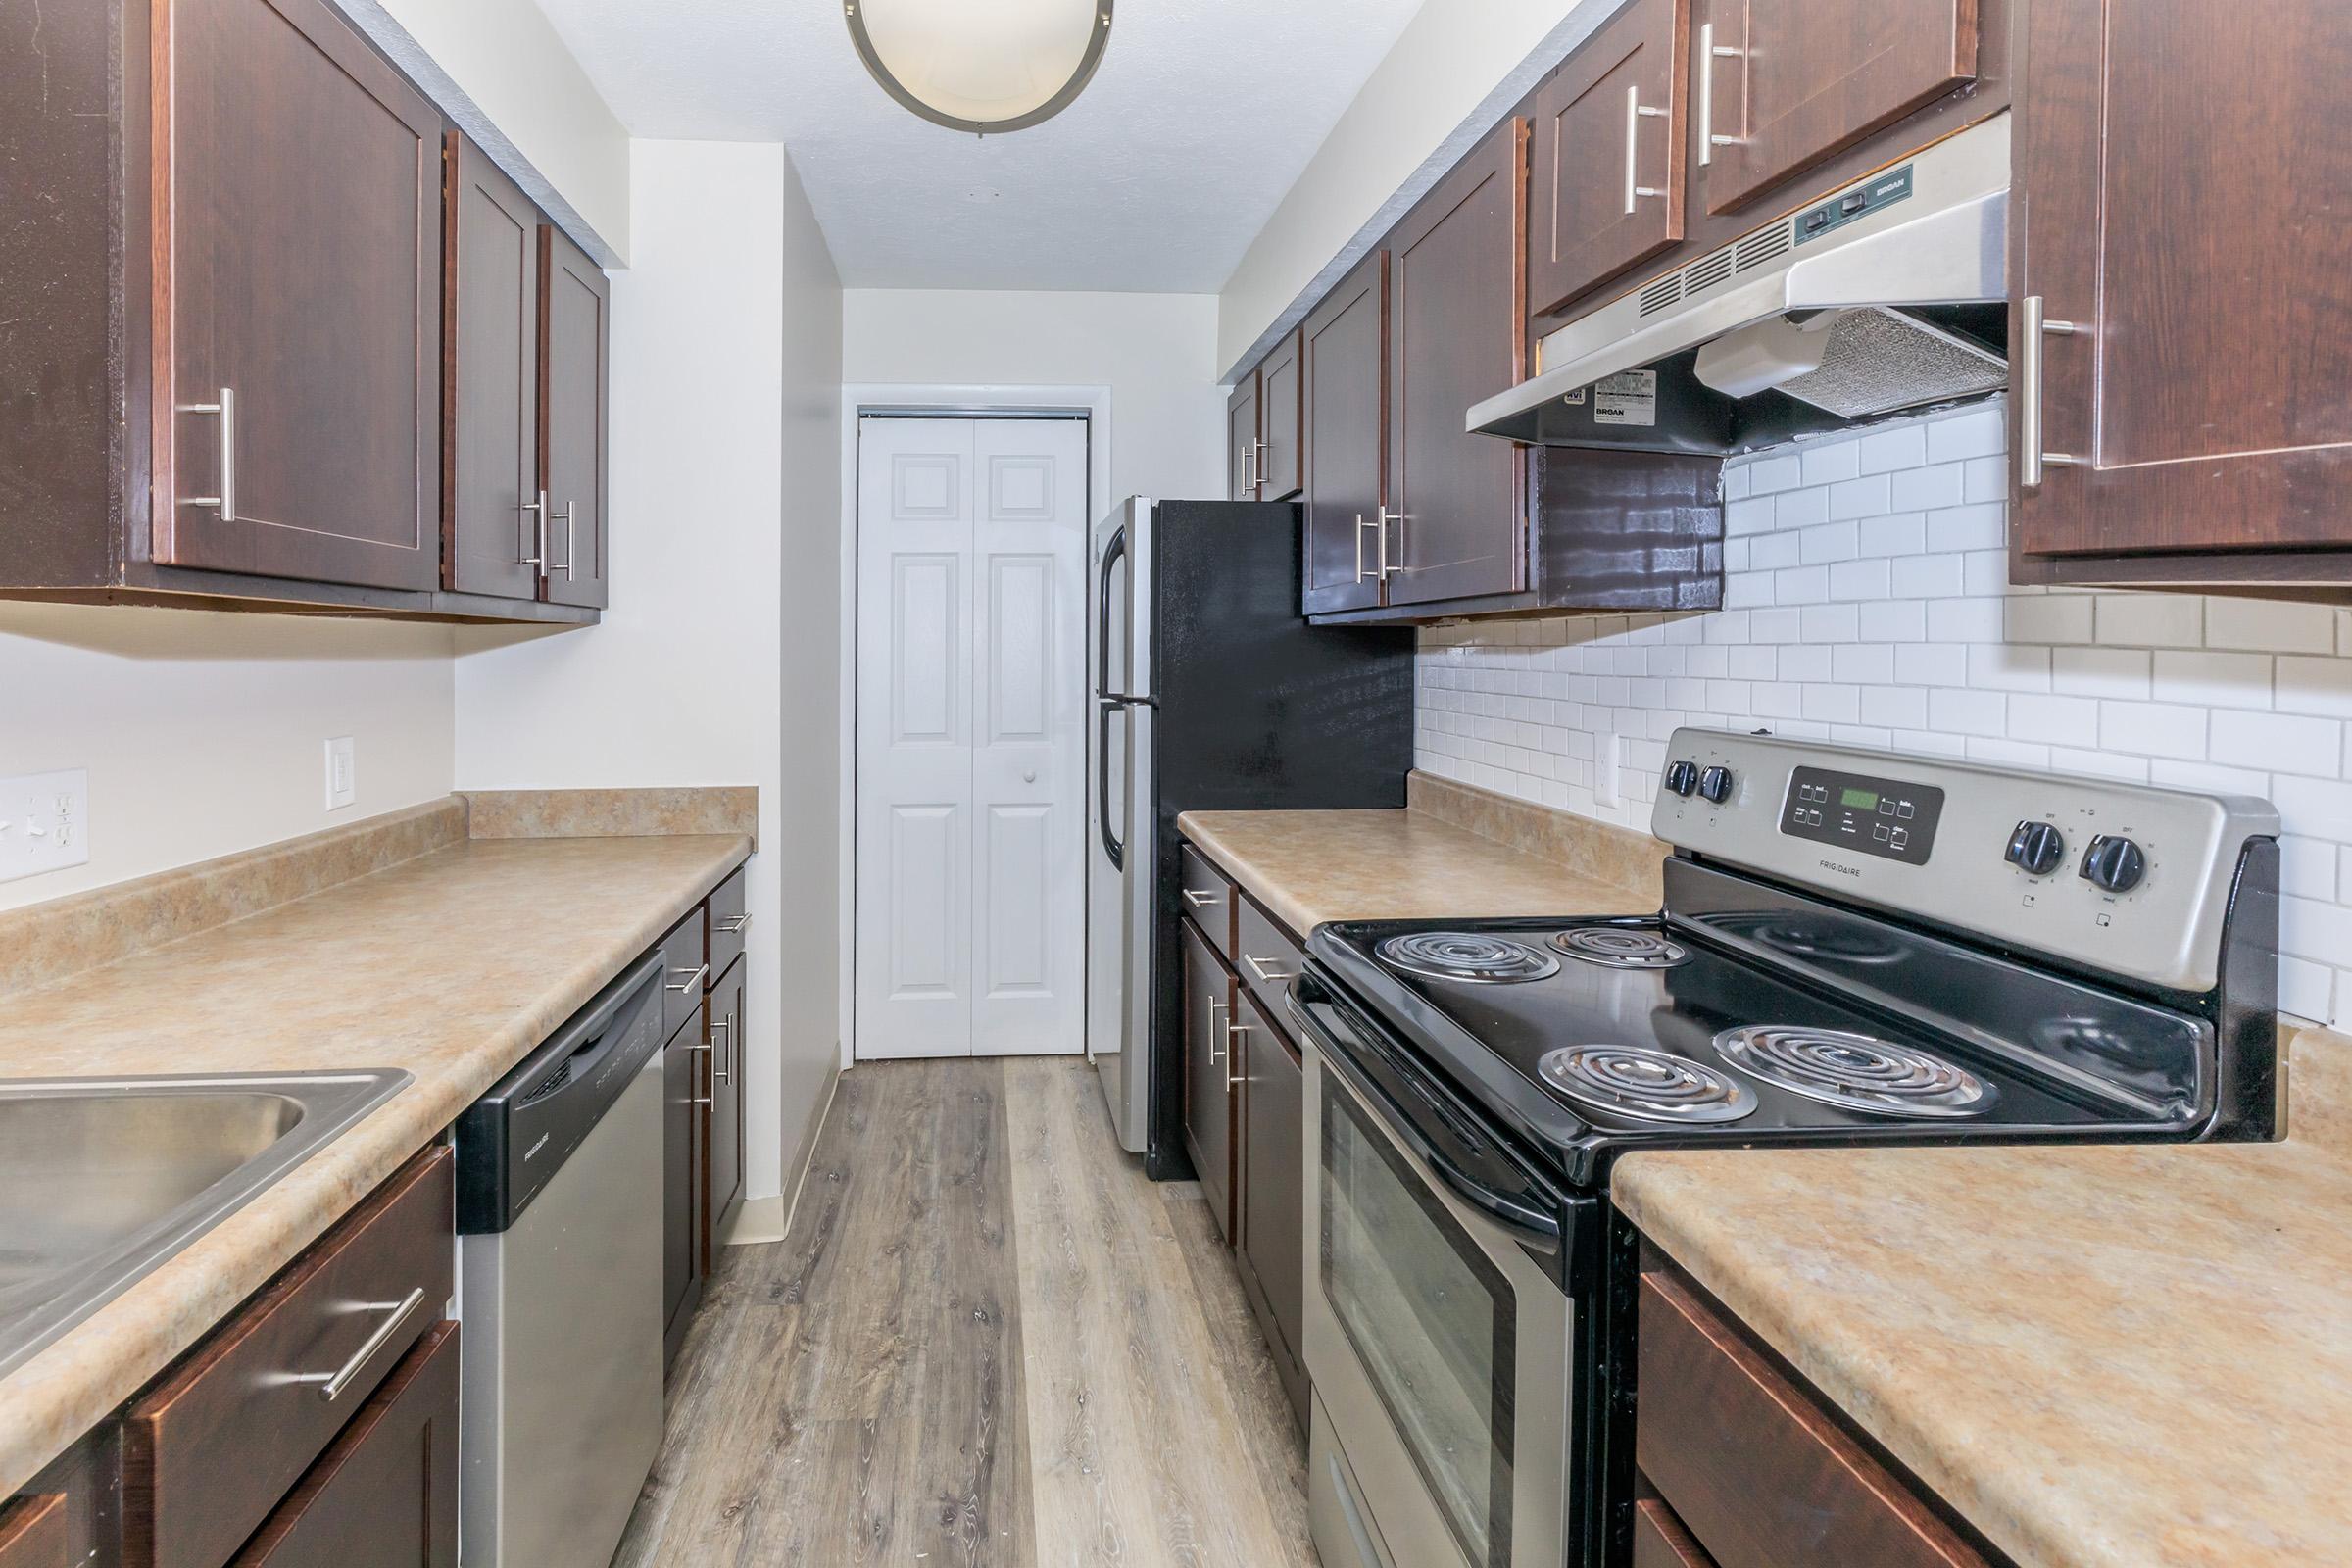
{"x":971,"y":751}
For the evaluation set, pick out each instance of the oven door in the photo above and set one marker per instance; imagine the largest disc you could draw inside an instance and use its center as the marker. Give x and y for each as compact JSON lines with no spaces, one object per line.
{"x":1439,"y":1333}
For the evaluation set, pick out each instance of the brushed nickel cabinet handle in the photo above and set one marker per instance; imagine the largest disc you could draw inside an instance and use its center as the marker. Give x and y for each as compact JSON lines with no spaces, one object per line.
{"x":693,"y":981}
{"x":1635,"y":112}
{"x":2030,"y":457}
{"x":1257,"y":966}
{"x":332,"y":1384}
{"x":227,"y":410}
{"x":1709,"y":51}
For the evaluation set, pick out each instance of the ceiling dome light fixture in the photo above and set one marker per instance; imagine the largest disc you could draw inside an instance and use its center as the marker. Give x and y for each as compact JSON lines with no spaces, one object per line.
{"x":982,"y":65}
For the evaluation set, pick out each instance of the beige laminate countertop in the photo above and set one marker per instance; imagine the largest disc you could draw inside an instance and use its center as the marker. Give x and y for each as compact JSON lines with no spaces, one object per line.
{"x":2103,"y":1357}
{"x":1308,"y":867}
{"x":452,"y":966}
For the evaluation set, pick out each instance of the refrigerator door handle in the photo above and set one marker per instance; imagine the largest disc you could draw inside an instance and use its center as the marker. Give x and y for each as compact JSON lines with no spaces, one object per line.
{"x":1110,"y":843}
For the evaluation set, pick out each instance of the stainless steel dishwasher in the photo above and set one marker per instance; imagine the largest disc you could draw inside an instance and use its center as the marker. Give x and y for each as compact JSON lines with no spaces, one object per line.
{"x":559,"y":1288}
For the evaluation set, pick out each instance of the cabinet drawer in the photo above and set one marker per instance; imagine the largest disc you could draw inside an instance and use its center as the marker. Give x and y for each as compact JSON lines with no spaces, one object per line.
{"x":1209,"y":897}
{"x":1267,"y":957}
{"x":32,"y":1533}
{"x":686,"y":972}
{"x":209,"y":1451}
{"x":728,"y":919}
{"x":1760,"y":1473}
{"x":1662,"y":1542}
{"x":384,"y":1495}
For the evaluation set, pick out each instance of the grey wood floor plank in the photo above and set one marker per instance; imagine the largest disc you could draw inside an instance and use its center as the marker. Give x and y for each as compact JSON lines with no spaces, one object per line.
{"x":865,"y":1391}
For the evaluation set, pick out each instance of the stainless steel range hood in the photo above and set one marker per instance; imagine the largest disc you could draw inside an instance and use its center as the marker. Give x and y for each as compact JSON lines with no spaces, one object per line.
{"x":1884,"y":295}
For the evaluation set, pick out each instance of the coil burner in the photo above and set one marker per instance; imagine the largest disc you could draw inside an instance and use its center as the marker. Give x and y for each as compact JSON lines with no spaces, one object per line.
{"x":1645,"y":1083}
{"x":1466,"y":956}
{"x":1856,"y":1071}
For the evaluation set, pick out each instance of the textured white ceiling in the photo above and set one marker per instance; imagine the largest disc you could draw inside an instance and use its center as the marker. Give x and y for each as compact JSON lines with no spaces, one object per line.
{"x":1202,"y":115}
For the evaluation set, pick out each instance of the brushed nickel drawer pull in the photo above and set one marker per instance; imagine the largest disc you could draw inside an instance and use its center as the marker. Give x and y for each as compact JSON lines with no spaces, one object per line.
{"x":1258,"y":968}
{"x":693,"y":981}
{"x":332,"y":1384}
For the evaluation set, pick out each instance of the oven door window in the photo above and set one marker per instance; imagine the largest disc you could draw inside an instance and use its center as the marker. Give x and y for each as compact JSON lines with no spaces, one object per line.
{"x":1431,"y":1319}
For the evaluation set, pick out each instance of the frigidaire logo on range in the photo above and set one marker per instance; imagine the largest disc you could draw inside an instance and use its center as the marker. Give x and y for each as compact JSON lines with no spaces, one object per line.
{"x":1841,"y":870}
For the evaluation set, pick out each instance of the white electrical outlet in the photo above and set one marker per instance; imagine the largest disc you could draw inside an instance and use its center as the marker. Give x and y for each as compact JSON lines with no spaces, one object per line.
{"x":342,"y":773}
{"x":45,"y":822}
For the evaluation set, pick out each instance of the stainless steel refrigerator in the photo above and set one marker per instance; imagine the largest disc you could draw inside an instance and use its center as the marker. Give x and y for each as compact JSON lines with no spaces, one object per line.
{"x":1212,"y":693}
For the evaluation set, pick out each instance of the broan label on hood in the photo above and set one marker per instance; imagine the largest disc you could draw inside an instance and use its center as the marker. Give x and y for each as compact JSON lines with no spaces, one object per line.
{"x":1630,"y":397}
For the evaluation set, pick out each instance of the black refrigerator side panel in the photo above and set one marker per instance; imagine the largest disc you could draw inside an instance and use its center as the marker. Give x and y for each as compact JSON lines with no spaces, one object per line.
{"x":1258,"y":710}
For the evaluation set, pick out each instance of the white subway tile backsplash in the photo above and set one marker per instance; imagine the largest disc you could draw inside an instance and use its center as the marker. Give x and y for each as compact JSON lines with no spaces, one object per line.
{"x":1870,"y":606}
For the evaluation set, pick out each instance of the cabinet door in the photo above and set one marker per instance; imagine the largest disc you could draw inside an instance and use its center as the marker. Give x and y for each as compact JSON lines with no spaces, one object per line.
{"x":1784,"y":84}
{"x":1281,"y":421}
{"x":385,"y":1494}
{"x":681,"y":1181}
{"x":574,"y":348}
{"x":1241,"y":440}
{"x":1209,"y":1078}
{"x":297,"y":309}
{"x":2193,"y":241}
{"x":725,"y":1135}
{"x":1273,"y":1183}
{"x":490,"y":516}
{"x":1345,"y":352}
{"x":1605,"y":174}
{"x":1457,"y":333}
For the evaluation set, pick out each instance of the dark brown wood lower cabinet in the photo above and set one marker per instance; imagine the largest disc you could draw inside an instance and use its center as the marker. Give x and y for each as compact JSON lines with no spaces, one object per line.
{"x":681,"y":1181}
{"x":1272,"y":1248}
{"x":1209,"y":1078}
{"x":386,"y":1493}
{"x":1760,"y":1474}
{"x":723,"y":1192}
{"x":33,"y":1532}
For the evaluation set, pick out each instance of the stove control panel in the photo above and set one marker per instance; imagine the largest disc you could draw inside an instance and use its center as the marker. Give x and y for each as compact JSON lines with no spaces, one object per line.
{"x":1883,"y":816}
{"x":2120,"y":877}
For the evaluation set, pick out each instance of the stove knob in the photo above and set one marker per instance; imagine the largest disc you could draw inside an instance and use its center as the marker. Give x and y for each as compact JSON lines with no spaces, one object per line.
{"x":2036,"y":848}
{"x":2114,"y":863}
{"x":1716,"y":784}
{"x":1682,"y":777}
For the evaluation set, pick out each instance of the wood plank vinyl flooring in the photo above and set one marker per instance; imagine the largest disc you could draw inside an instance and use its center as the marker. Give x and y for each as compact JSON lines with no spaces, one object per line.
{"x":988,"y":1342}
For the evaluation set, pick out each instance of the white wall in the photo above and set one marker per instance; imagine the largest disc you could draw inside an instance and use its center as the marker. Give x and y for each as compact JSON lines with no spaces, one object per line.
{"x":205,"y":733}
{"x":1448,"y":78}
{"x":515,"y":82}
{"x":1867,"y":600}
{"x":1155,"y":352}
{"x":725,"y":514}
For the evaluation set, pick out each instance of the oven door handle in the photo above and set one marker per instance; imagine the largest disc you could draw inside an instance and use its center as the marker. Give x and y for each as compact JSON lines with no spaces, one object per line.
{"x":1532,"y":1225}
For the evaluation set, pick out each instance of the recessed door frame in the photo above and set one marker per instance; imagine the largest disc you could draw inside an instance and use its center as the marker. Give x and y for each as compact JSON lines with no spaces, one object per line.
{"x":929,"y":400}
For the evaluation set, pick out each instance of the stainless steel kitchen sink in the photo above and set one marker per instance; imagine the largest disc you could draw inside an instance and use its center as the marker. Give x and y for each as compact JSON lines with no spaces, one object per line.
{"x":104,"y":1179}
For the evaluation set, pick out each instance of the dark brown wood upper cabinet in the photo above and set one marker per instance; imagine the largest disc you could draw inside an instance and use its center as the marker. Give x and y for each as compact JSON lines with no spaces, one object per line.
{"x":576,"y":335}
{"x":1783,"y":85}
{"x":490,"y":391}
{"x":1243,"y":446}
{"x":2182,"y":198}
{"x":1457,"y":333}
{"x":297,"y":302}
{"x":1345,"y":387}
{"x":1605,"y":165}
{"x":1281,"y":421}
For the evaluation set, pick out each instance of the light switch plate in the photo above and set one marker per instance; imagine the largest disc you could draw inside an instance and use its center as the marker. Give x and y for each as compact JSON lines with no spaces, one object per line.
{"x":45,"y":822}
{"x":342,"y":773}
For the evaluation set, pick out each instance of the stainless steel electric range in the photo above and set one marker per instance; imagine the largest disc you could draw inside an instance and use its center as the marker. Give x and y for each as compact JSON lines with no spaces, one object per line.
{"x":1856,"y":947}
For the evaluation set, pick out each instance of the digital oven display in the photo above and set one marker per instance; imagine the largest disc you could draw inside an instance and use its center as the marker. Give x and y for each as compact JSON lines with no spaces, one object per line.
{"x":1880,"y":816}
